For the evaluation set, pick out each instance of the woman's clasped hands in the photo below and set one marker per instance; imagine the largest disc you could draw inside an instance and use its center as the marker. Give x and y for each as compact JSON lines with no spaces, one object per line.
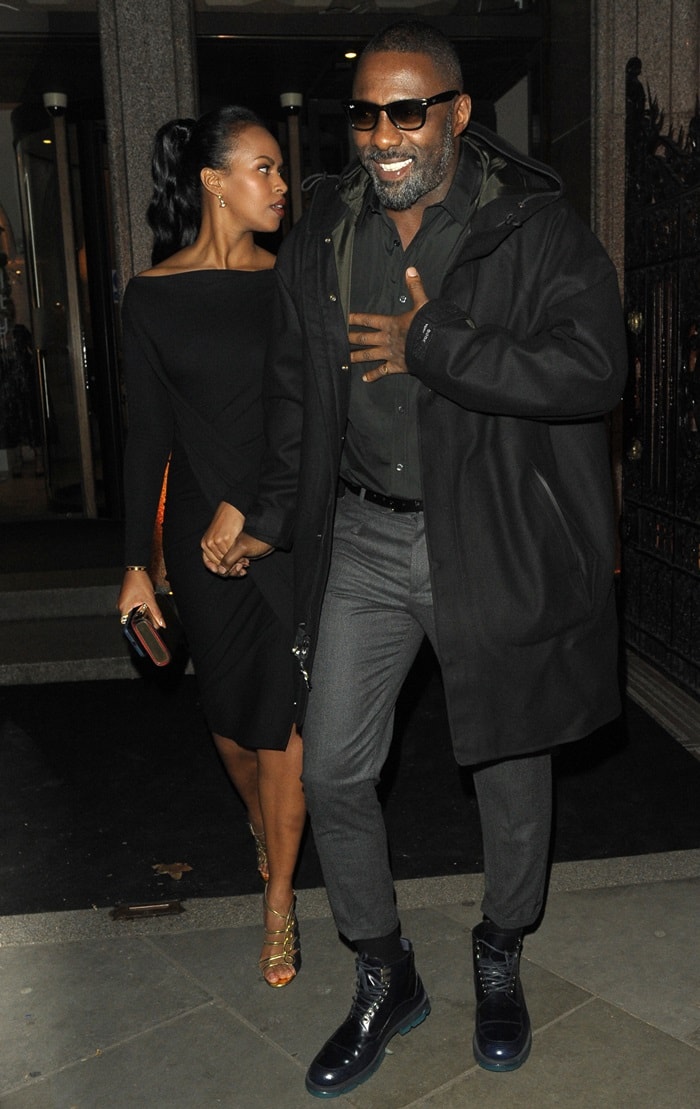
{"x":225,"y":527}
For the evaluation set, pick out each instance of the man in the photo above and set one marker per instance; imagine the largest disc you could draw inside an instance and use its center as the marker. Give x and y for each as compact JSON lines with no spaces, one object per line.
{"x":448,"y":477}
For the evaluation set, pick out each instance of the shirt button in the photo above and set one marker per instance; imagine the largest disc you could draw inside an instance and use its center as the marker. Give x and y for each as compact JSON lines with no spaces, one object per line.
{"x":327,"y":239}
{"x":399,"y":466}
{"x":403,"y":299}
{"x":345,"y":368}
{"x":333,"y":297}
{"x":401,"y":409}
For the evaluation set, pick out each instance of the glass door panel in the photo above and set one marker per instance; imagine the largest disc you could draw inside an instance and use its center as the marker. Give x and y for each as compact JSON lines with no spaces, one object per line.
{"x":58,"y":332}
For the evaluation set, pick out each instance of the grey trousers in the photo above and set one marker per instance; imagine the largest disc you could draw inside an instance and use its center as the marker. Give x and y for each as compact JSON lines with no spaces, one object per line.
{"x":377,"y":608}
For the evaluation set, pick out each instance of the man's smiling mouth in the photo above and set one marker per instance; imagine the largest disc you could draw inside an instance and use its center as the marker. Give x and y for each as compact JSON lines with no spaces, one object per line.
{"x":393,"y":167}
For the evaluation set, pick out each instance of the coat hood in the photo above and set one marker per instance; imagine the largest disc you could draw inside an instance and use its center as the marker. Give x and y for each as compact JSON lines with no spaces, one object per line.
{"x":513,"y":186}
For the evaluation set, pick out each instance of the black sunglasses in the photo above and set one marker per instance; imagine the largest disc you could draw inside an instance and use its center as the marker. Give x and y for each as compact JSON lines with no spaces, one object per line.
{"x":407,"y":115}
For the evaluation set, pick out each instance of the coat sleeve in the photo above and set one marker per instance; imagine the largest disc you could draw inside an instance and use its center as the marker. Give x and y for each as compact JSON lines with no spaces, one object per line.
{"x":552,"y":348}
{"x":272,"y":517}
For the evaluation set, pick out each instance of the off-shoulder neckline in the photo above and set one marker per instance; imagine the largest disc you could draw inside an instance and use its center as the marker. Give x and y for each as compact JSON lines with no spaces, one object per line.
{"x":194,"y":273}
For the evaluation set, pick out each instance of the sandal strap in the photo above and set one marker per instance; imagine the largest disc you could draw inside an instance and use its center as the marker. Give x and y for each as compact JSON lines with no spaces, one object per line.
{"x":260,"y":852}
{"x":289,"y":941}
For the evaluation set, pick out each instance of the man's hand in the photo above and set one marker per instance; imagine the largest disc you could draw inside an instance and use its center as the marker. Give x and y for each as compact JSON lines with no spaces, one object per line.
{"x":386,"y":342}
{"x":245,"y":550}
{"x":224,"y":529}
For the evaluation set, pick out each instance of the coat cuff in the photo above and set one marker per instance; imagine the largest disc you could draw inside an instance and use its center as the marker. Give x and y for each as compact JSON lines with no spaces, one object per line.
{"x":427,"y":320}
{"x":271,"y":526}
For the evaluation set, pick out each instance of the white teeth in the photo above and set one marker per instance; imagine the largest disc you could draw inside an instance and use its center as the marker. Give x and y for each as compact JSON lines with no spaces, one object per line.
{"x":394,"y":167}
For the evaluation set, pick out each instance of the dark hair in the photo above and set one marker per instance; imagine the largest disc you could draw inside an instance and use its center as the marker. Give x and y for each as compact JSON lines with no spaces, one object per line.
{"x":414,"y":37}
{"x":181,"y":150}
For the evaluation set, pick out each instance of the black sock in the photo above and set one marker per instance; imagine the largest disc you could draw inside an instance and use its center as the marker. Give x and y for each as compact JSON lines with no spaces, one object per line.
{"x":386,"y":949}
{"x":515,"y":933}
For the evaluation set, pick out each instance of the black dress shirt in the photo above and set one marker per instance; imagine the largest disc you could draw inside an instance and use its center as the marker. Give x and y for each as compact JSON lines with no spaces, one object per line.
{"x":381,"y":439}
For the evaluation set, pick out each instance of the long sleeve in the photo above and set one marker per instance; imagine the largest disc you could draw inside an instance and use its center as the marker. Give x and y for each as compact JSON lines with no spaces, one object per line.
{"x":148,"y":444}
{"x":272,"y":516}
{"x":557,"y":352}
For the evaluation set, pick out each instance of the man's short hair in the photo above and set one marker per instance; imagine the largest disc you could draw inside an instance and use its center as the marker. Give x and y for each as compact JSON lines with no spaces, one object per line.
{"x":414,"y":37}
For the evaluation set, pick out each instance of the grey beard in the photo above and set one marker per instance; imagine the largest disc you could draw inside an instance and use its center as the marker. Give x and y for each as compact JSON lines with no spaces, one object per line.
{"x":401,"y":195}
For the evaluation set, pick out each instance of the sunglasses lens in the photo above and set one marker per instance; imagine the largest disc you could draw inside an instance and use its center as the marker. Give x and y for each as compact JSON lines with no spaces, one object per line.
{"x":409,"y":115}
{"x":362,"y":115}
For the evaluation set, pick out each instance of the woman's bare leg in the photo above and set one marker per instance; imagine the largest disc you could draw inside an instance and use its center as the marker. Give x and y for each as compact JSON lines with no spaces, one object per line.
{"x":241,"y":765}
{"x":283,"y":816}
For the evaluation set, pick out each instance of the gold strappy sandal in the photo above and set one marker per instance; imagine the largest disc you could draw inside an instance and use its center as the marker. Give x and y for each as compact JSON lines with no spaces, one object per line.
{"x":286,"y":942}
{"x":261,"y":852}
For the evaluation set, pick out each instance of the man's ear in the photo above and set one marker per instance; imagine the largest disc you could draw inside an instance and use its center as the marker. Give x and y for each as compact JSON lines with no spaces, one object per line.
{"x":211,"y":180}
{"x":462,"y":113}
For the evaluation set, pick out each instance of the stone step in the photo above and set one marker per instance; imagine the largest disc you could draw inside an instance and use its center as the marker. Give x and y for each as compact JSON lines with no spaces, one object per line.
{"x":59,"y":584}
{"x":64,"y":649}
{"x":62,"y":593}
{"x":63,"y":626}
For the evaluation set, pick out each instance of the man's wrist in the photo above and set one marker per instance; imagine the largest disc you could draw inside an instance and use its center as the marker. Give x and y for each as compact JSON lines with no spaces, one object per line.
{"x":431,"y":316}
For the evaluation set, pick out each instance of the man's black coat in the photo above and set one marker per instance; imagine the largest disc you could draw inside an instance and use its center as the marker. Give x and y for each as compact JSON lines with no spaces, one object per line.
{"x":521,"y":354}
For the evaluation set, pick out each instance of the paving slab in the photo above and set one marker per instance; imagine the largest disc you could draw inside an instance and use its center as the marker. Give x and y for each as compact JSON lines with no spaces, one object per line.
{"x":196,"y":1061}
{"x":635,"y":946}
{"x":597,"y":1057}
{"x":61,"y":1003}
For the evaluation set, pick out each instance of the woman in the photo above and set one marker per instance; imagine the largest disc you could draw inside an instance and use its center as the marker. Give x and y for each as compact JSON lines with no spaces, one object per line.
{"x":194,"y":329}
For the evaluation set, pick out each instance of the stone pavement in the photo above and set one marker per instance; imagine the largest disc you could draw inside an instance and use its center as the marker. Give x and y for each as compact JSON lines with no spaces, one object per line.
{"x":170,"y":1013}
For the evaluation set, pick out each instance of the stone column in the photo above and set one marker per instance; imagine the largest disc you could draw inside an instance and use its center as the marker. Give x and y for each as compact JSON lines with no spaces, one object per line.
{"x":149,"y":76}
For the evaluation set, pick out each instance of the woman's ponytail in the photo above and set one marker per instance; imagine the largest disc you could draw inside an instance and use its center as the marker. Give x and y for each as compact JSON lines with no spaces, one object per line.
{"x":174,"y":213}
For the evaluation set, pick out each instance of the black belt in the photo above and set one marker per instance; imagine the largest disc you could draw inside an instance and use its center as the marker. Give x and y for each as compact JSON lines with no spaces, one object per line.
{"x":395,"y":504}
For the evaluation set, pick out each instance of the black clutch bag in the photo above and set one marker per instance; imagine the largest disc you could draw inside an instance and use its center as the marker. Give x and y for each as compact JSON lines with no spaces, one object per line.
{"x":146,"y":637}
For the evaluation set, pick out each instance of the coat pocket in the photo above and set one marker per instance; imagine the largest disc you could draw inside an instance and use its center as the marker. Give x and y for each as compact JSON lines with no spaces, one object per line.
{"x":533,"y":574}
{"x":581,"y":556}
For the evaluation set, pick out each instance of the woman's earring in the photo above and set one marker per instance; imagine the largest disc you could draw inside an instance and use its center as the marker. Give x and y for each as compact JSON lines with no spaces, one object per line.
{"x":222,"y":202}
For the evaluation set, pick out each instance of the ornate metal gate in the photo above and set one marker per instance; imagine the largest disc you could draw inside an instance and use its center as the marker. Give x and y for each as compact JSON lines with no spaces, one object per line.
{"x":661,"y":412}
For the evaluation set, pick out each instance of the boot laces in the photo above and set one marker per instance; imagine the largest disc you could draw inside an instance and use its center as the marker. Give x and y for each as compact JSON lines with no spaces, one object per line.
{"x":497,"y":975}
{"x":370,"y":990}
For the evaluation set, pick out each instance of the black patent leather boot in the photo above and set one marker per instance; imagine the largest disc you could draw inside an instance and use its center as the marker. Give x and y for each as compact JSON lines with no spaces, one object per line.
{"x":502,"y":1038}
{"x":388,"y":999}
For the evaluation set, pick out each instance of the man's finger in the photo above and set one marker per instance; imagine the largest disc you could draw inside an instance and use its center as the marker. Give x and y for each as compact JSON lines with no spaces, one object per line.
{"x":240,"y":568}
{"x":246,"y":547}
{"x":357,"y":319}
{"x":415,"y":287}
{"x":370,"y":354}
{"x":378,"y":372}
{"x":233,"y":556}
{"x":364,"y":338}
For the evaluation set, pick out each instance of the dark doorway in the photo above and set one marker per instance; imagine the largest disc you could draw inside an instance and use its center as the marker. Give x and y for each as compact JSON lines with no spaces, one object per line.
{"x":502,"y":74}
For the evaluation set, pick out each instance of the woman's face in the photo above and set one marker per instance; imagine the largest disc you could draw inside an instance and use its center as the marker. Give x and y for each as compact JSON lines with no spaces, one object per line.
{"x":252,"y":186}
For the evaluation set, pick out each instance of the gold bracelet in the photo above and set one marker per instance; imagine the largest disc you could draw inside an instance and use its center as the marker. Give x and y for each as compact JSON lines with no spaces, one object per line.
{"x":135,"y":567}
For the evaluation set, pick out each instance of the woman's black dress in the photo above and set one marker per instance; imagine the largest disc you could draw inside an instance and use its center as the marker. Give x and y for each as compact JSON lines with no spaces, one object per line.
{"x":194,"y":346}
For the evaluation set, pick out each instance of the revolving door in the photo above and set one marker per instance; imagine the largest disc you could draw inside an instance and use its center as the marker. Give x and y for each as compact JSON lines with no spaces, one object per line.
{"x":64,"y":195}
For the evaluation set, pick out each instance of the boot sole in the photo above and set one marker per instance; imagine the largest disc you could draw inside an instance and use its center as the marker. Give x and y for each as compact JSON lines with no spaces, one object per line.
{"x":412,"y":1021}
